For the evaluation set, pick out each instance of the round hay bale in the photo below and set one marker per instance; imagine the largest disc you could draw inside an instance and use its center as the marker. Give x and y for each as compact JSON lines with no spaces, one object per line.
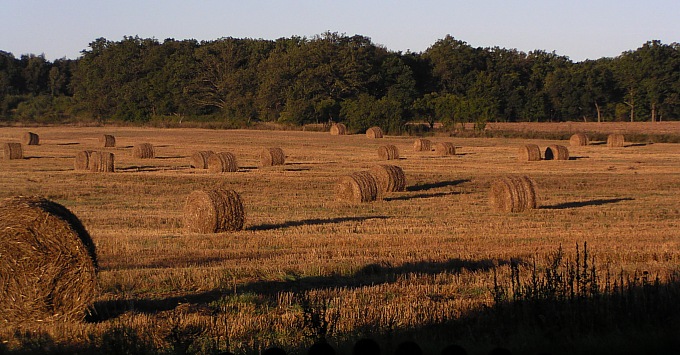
{"x":556,"y":152}
{"x":529,"y":152}
{"x":616,"y":140}
{"x":445,"y":148}
{"x":214,"y":211}
{"x":513,"y":194}
{"x":357,"y":187}
{"x":102,"y":162}
{"x":388,"y":152}
{"x":578,"y":140}
{"x":374,"y":132}
{"x":30,"y":138}
{"x":222,"y":163}
{"x":82,"y":161}
{"x":13,"y":151}
{"x":422,"y":145}
{"x":338,"y":129}
{"x":272,"y":156}
{"x":143,"y":151}
{"x":107,"y":141}
{"x":199,"y":160}
{"x":48,"y":265}
{"x":390,"y":178}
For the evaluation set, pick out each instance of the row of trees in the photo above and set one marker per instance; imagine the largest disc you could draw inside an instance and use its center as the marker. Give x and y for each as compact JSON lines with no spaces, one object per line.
{"x":337,"y":77}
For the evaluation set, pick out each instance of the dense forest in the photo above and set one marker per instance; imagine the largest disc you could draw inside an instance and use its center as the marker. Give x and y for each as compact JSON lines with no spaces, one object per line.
{"x":334,"y":77}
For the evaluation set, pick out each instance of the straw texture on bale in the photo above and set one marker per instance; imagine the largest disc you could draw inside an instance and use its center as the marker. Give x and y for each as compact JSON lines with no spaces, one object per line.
{"x":445,"y":148}
{"x":422,"y":145}
{"x":48,"y":264}
{"x":13,"y":151}
{"x":272,"y":156}
{"x":388,"y":152}
{"x":357,"y":187}
{"x":615,"y":140}
{"x":578,"y":140}
{"x":513,"y":194}
{"x":31,"y":138}
{"x":556,"y":152}
{"x":390,"y":178}
{"x":102,"y":162}
{"x":143,"y":151}
{"x":338,"y":129}
{"x":199,"y":160}
{"x":214,"y":211}
{"x":82,"y":161}
{"x":222,"y":163}
{"x":374,"y":132}
{"x":530,"y":152}
{"x":107,"y":141}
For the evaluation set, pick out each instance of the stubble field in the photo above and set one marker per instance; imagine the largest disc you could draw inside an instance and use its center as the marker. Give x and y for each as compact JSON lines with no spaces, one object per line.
{"x":392,"y":269}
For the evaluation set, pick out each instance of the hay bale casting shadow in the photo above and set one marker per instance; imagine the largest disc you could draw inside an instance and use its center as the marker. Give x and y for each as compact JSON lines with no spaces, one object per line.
{"x":357,"y":187}
{"x":214,"y":211}
{"x":48,"y":264}
{"x":513,"y":194}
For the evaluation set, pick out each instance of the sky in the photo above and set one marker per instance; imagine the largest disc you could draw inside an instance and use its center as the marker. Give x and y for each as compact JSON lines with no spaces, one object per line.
{"x":578,"y":29}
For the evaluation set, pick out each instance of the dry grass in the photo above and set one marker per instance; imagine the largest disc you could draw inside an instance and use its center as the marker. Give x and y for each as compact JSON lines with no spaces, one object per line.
{"x":416,"y":260}
{"x":388,"y":152}
{"x":616,"y":140}
{"x":374,"y":132}
{"x":107,"y":141}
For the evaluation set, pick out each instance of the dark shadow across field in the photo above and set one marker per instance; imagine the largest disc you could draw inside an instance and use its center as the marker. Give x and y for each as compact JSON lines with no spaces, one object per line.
{"x":577,"y":204}
{"x":312,"y":222}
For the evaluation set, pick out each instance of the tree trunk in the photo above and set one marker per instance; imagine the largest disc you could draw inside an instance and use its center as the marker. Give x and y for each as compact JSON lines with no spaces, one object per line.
{"x":599,"y":113}
{"x":654,"y":112}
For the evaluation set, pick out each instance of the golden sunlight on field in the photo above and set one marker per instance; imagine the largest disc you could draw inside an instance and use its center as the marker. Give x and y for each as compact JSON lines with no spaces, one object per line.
{"x":414,"y":259}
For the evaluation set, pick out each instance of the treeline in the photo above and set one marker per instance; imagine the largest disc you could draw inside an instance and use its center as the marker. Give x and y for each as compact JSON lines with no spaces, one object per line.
{"x":336,"y":77}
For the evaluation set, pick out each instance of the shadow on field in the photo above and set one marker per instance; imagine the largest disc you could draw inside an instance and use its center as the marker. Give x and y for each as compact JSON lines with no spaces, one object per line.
{"x":173,"y":157}
{"x":70,"y":143}
{"x":435,"y":185}
{"x":598,"y":202}
{"x":422,"y":195}
{"x":143,"y":168}
{"x":312,"y":222}
{"x":369,"y":275}
{"x":578,"y":158}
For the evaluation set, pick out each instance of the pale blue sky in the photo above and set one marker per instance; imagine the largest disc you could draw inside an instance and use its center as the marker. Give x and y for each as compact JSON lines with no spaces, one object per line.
{"x":579,"y":29}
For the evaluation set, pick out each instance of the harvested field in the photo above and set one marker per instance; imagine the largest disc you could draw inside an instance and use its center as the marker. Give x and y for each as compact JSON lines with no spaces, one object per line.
{"x":419,"y":262}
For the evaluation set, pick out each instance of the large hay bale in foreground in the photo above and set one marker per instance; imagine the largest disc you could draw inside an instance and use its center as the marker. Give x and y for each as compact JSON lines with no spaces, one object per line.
{"x":272,"y":156}
{"x":529,"y":152}
{"x":102,"y":162}
{"x":390,"y":178}
{"x":48,"y":262}
{"x":556,"y":152}
{"x":578,"y":140}
{"x":143,"y":151}
{"x":513,"y":194}
{"x":199,"y":160}
{"x":222,"y":163}
{"x":422,"y":145}
{"x":388,"y":152}
{"x":357,"y":187}
{"x":107,"y":141}
{"x":616,"y":140}
{"x":214,"y":211}
{"x":338,"y":129}
{"x":374,"y":132}
{"x":445,"y":148}
{"x":82,"y":161}
{"x":13,"y":151}
{"x":30,"y":138}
